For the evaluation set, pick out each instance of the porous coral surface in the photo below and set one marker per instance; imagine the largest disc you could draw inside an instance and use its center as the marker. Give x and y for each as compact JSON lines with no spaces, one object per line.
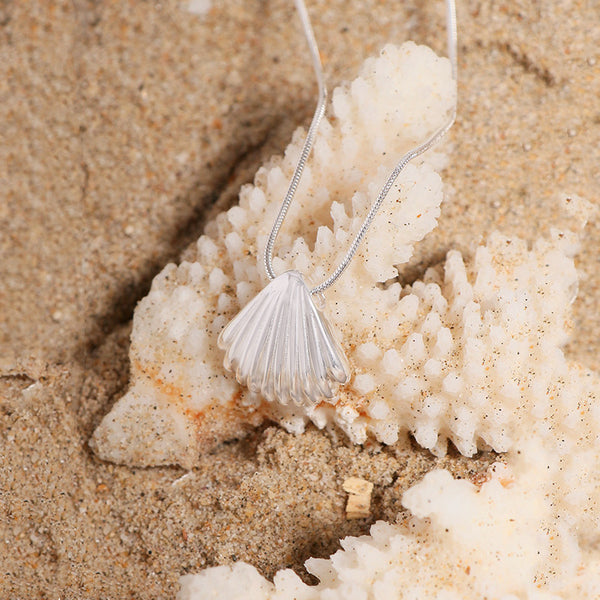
{"x":499,"y":540}
{"x":181,"y":400}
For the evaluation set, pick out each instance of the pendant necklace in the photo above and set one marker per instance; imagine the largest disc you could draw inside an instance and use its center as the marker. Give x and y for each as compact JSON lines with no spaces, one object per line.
{"x":280,"y":344}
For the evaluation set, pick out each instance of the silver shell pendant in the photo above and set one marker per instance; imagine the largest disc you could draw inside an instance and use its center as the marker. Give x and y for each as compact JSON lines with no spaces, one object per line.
{"x":281,"y":346}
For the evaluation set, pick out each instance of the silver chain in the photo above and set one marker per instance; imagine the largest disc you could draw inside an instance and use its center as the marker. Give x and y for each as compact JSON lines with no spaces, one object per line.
{"x":433,"y":139}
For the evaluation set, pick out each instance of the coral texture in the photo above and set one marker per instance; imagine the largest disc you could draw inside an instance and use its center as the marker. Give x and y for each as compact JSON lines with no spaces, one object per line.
{"x":531,"y":530}
{"x":181,"y":401}
{"x":463,"y":543}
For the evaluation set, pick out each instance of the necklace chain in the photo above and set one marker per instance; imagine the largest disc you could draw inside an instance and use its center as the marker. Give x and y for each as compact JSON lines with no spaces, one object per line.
{"x":433,"y":139}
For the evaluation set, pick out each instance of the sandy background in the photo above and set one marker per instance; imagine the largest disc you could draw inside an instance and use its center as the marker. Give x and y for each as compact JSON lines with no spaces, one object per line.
{"x":121,"y":125}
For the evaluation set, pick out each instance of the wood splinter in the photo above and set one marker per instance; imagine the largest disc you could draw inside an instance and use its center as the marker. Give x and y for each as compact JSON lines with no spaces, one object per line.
{"x":359,"y":497}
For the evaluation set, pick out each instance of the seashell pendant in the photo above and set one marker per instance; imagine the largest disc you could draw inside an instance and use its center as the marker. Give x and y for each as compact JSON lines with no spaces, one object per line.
{"x":281,"y":346}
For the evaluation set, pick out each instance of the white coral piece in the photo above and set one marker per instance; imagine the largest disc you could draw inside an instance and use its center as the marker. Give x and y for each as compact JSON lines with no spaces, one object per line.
{"x":460,"y":354}
{"x":464,"y":543}
{"x":181,"y":401}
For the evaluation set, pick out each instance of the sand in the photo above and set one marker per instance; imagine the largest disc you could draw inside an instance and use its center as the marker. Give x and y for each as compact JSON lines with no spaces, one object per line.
{"x":123,"y":126}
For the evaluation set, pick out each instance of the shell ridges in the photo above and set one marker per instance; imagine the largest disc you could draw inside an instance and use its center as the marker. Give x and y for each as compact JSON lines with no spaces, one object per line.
{"x":280,"y":345}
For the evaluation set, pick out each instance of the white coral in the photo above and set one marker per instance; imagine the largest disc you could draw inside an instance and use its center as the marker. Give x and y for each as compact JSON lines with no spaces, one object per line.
{"x":464,"y":543}
{"x":460,"y":352}
{"x":181,"y":401}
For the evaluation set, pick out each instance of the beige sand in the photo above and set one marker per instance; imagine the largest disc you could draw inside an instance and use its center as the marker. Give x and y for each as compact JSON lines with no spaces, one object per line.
{"x":121,"y":124}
